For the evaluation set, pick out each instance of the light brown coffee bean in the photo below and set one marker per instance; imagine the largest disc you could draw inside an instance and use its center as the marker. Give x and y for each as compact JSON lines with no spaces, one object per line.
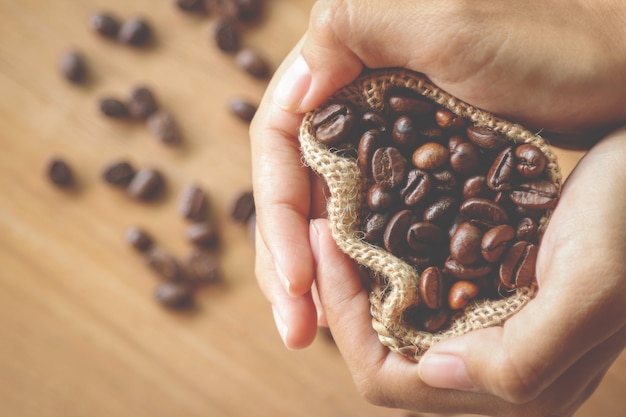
{"x":431,"y":287}
{"x":430,"y":156}
{"x":462,"y":293}
{"x":485,"y":138}
{"x":465,"y":244}
{"x":496,"y":241}
{"x":517,"y":269}
{"x":460,"y":271}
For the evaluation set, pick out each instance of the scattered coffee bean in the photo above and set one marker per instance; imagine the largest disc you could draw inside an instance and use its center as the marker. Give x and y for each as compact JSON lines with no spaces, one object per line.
{"x":113,"y":108}
{"x":242,"y":108}
{"x":73,"y":66}
{"x":147,"y":184}
{"x":191,"y":6}
{"x":135,"y":32}
{"x":142,"y":102}
{"x":164,"y":264}
{"x":202,"y":267}
{"x":60,"y":173}
{"x":242,"y":207}
{"x":202,"y":234}
{"x":253,"y":63}
{"x":105,"y":24}
{"x":139,"y":239}
{"x":174,"y":295}
{"x":118,"y":173}
{"x":226,"y":35}
{"x":193,"y":203}
{"x":164,"y":127}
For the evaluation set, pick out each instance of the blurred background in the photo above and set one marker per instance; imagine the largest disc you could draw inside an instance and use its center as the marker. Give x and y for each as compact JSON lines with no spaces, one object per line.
{"x":81,"y":332}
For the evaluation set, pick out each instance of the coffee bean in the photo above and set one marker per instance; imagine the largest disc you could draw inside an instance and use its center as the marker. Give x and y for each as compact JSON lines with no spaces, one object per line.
{"x":496,"y":241}
{"x":142,"y":102}
{"x":485,"y":138}
{"x":531,"y":162}
{"x":538,"y":194}
{"x":406,"y":104}
{"x":174,"y":295}
{"x":226,"y":35}
{"x":193,"y":203}
{"x":242,"y":109}
{"x":430,"y":156}
{"x":104,"y":24}
{"x":476,"y":187}
{"x":139,"y":239}
{"x":147,"y":184}
{"x":431,"y":287}
{"x":380,"y":198}
{"x":464,"y":158}
{"x":518,"y":266}
{"x":373,"y":120}
{"x":118,"y":173}
{"x":164,"y":127}
{"x":440,"y":211}
{"x":374,"y":228}
{"x":164,"y":264}
{"x":202,"y":267}
{"x":461,"y":294}
{"x":388,"y":167}
{"x":526,"y":229}
{"x":501,"y":172}
{"x":242,"y":207}
{"x":201,"y":234}
{"x":433,"y":321}
{"x":135,"y":32}
{"x":465,"y":244}
{"x":424,"y":237}
{"x":395,"y":236}
{"x":404,"y":132}
{"x":73,"y":66}
{"x":191,"y":6}
{"x":248,"y":10}
{"x":253,"y":63}
{"x":60,"y":173}
{"x":484,"y":211}
{"x":454,"y":141}
{"x":333,"y":123}
{"x":113,"y":108}
{"x":370,"y":141}
{"x":417,"y":187}
{"x":460,"y":271}
{"x":448,"y":120}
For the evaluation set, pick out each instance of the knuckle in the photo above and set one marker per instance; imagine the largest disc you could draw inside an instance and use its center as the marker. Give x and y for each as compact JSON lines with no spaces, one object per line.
{"x":519,"y":382}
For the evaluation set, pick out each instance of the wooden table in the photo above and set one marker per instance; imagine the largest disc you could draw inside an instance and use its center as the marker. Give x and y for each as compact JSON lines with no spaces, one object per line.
{"x":80,"y":333}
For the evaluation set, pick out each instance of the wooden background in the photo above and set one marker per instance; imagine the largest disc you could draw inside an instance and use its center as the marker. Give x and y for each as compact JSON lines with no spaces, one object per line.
{"x":79,"y":331}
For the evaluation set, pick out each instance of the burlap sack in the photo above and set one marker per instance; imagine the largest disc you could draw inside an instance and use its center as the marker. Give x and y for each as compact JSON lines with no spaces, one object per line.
{"x":395,"y":290}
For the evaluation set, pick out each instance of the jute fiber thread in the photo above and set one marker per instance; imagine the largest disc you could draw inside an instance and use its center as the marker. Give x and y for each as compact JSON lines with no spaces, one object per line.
{"x":395,"y":289}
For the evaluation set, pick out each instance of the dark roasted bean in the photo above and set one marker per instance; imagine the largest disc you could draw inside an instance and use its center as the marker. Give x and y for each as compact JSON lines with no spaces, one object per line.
{"x":113,"y":108}
{"x":405,"y":104}
{"x":530,"y":161}
{"x":424,"y":237}
{"x":373,"y":120}
{"x":501,"y":171}
{"x":60,"y":173}
{"x":394,"y":238}
{"x":242,"y":207}
{"x":201,"y":234}
{"x":388,"y":167}
{"x":142,"y":102}
{"x":118,"y":173}
{"x":252,"y":62}
{"x":202,"y":267}
{"x":485,"y":138}
{"x":370,"y":141}
{"x":104,"y":24}
{"x":404,"y":132}
{"x":333,"y":123}
{"x":164,"y":127}
{"x":460,"y":271}
{"x":192,"y":6}
{"x":538,"y":194}
{"x":139,"y":239}
{"x":380,"y":198}
{"x":226,"y":35}
{"x":164,"y":264}
{"x":433,"y":321}
{"x":73,"y":66}
{"x":461,"y":294}
{"x":448,"y":120}
{"x":147,"y":184}
{"x":174,"y":295}
{"x":496,"y":241}
{"x":440,"y":211}
{"x":518,"y":266}
{"x":242,"y":108}
{"x":444,"y":181}
{"x":465,"y":244}
{"x":374,"y":228}
{"x":484,"y":211}
{"x":193,"y":203}
{"x":527,"y":229}
{"x":417,"y":187}
{"x":135,"y":32}
{"x":430,"y":156}
{"x":431,"y":287}
{"x":464,"y":158}
{"x":476,"y":187}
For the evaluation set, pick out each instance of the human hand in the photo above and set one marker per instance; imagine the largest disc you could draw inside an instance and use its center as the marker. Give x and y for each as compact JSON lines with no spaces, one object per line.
{"x":548,"y":358}
{"x":554,"y":66}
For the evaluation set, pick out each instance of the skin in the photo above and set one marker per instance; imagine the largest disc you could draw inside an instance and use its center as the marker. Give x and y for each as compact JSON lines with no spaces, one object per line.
{"x":561,"y":64}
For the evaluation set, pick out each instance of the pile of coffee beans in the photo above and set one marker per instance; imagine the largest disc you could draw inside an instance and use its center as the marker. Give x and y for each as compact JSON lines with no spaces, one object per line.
{"x":460,"y":203}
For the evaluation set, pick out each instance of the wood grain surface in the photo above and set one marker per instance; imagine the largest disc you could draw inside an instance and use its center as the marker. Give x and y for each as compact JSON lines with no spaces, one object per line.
{"x":80,"y":332}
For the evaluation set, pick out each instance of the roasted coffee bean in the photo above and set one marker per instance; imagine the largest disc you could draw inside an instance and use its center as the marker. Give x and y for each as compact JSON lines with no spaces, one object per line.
{"x":476,"y":187}
{"x":388,"y":167}
{"x":501,"y":172}
{"x":461,"y":294}
{"x":118,"y":173}
{"x":369,"y":142}
{"x":485,"y":138}
{"x":191,"y":6}
{"x":530,"y":161}
{"x":142,"y":102}
{"x":380,"y":198}
{"x":373,"y":120}
{"x":73,"y":66}
{"x":60,"y":173}
{"x":433,"y":321}
{"x":417,"y":187}
{"x":405,"y":104}
{"x":431,"y":287}
{"x":193,"y":203}
{"x":454,"y":141}
{"x":135,"y":32}
{"x":104,"y":24}
{"x":226,"y":35}
{"x":176,"y":295}
{"x":404,"y":132}
{"x":249,"y":10}
{"x":518,"y":265}
{"x":464,"y":158}
{"x":333,"y":123}
{"x":460,"y":271}
{"x":444,"y":181}
{"x":202,"y":267}
{"x":538,"y":194}
{"x":394,"y":238}
{"x":163,"y":126}
{"x":139,"y":239}
{"x":454,"y":225}
{"x":374,"y":227}
{"x":430,"y":156}
{"x":113,"y":108}
{"x":164,"y":264}
{"x":242,"y":207}
{"x":527,"y":229}
{"x":430,"y":134}
{"x":147,"y":184}
{"x":252,"y":62}
{"x":484,"y":211}
{"x":201,"y":234}
{"x":465,"y":244}
{"x":496,"y":241}
{"x":440,"y":211}
{"x":242,"y":108}
{"x":448,"y":120}
{"x":424,"y":237}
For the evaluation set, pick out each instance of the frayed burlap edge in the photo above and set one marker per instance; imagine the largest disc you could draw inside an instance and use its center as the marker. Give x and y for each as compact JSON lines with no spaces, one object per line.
{"x":396,"y":290}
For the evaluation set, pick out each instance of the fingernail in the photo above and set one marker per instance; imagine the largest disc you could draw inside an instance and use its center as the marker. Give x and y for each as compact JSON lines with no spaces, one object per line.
{"x":314,"y":239}
{"x":283,"y":278}
{"x":283,"y":330}
{"x":293,"y":85}
{"x":445,"y":371}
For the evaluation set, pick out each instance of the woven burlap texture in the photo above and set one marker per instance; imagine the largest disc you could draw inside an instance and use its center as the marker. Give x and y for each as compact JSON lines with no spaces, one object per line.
{"x":396,"y":289}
